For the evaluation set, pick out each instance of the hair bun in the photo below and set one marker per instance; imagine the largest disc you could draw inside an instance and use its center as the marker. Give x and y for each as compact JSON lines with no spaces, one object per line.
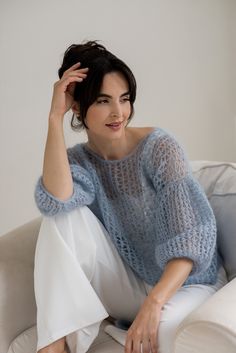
{"x":82,"y":51}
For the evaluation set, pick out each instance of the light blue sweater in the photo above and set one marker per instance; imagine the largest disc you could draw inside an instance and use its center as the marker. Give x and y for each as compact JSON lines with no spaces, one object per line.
{"x":151,"y":205}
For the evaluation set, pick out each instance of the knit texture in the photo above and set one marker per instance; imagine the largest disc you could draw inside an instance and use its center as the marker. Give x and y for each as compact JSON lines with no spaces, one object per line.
{"x":151,"y":205}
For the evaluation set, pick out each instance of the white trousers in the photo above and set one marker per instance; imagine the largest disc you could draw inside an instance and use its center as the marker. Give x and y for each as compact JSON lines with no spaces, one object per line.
{"x":80,"y":279}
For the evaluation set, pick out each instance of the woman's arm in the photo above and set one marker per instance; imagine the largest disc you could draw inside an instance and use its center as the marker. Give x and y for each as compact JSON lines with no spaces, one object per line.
{"x":185,"y":222}
{"x":174,"y":275}
{"x":57,"y":177}
{"x":145,"y":326}
{"x":187,"y":228}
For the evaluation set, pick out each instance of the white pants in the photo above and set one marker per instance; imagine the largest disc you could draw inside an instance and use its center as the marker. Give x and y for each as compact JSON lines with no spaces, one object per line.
{"x":80,"y":279}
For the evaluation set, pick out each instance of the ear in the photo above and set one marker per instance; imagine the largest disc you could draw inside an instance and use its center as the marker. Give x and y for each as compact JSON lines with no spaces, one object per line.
{"x":75,"y":108}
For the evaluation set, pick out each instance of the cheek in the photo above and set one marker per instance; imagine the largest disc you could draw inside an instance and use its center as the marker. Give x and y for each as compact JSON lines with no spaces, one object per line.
{"x":97,"y":111}
{"x":128,"y":110}
{"x":94,"y":115}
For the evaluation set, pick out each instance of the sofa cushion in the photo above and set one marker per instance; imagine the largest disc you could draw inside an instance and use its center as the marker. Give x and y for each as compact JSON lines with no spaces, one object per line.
{"x":26,"y":342}
{"x":211,"y":327}
{"x":218,"y":180}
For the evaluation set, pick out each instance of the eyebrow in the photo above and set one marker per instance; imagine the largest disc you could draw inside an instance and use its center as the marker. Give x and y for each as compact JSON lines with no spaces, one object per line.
{"x":108,"y":96}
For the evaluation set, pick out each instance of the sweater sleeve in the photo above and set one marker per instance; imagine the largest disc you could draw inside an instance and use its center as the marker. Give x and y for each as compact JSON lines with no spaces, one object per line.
{"x":83,"y":191}
{"x":186,"y":224}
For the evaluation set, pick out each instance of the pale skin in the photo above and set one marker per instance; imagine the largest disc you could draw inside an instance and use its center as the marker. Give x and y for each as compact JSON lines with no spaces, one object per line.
{"x":109,"y":144}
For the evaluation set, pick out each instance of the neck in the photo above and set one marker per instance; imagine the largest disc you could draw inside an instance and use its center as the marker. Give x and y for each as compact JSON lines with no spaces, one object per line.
{"x":110,"y":149}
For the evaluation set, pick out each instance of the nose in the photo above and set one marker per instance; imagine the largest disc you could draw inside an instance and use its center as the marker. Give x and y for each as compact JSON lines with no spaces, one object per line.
{"x":116,"y":110}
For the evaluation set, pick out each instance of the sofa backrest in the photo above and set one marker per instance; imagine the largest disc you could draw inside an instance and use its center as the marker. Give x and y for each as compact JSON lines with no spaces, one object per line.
{"x":218,"y":180}
{"x":17,"y":305}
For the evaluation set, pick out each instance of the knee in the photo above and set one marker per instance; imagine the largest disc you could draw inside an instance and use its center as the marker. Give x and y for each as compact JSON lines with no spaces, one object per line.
{"x":166,"y":334}
{"x":58,"y":346}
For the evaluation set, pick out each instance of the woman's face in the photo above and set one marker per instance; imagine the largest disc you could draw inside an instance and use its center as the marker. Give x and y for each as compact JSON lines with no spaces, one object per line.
{"x":108,"y":115}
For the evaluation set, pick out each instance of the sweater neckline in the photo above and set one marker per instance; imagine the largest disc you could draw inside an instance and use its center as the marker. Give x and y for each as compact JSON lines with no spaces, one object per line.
{"x":131,"y":154}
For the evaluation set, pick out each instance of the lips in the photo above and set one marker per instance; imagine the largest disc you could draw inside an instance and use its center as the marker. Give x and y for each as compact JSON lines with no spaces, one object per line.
{"x":114,"y":124}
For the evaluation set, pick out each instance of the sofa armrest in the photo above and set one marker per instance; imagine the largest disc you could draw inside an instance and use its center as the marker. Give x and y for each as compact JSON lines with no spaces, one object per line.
{"x":17,"y":301}
{"x":211,"y":327}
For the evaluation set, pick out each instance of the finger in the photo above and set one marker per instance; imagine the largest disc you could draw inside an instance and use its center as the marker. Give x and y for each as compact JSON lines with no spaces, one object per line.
{"x":70,"y":79}
{"x":128,"y":345}
{"x":77,"y":72}
{"x":136,"y":346}
{"x":73,"y":67}
{"x":70,"y":88}
{"x":67,"y":81}
{"x":153,"y":344}
{"x":84,"y":69}
{"x":74,"y":73}
{"x":145,"y":346}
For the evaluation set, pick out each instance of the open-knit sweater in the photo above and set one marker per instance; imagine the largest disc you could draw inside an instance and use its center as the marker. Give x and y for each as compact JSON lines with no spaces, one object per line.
{"x":149,"y":202}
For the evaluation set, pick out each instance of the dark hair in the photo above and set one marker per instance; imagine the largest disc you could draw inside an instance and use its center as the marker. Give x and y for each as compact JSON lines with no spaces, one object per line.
{"x":100,"y":62}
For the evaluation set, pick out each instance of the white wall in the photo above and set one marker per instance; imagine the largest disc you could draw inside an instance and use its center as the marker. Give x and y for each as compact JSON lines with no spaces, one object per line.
{"x":182,"y":54}
{"x":233,"y":64}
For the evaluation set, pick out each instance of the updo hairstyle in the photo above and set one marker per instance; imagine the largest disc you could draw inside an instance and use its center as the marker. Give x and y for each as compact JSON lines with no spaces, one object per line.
{"x":100,"y":62}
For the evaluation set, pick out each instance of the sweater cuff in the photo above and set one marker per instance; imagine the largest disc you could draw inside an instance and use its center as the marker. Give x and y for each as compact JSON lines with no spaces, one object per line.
{"x":194,"y":244}
{"x":47,"y":203}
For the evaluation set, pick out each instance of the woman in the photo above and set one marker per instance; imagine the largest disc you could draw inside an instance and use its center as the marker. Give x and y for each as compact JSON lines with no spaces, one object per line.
{"x":128,"y":231}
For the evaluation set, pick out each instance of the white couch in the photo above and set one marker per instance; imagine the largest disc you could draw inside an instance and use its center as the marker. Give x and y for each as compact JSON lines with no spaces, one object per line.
{"x":211,"y":328}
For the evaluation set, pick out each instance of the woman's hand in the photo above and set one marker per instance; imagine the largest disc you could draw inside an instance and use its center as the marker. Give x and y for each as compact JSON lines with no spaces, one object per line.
{"x":144,"y":328}
{"x":63,"y":91}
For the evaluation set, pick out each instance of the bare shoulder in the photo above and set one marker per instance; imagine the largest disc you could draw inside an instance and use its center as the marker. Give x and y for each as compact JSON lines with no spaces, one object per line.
{"x":139,"y":133}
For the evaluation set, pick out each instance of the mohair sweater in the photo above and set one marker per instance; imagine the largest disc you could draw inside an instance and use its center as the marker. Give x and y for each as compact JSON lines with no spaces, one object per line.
{"x":151,"y":205}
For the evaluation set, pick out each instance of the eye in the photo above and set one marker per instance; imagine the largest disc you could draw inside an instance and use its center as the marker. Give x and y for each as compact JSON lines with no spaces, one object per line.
{"x":102,"y":101}
{"x":126,"y":99}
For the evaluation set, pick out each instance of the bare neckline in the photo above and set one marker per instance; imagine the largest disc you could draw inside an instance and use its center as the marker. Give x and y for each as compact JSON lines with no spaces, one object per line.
{"x":136,"y":148}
